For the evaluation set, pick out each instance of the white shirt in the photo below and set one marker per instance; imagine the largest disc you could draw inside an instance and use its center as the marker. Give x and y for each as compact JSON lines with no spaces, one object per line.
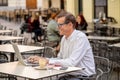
{"x":76,"y":51}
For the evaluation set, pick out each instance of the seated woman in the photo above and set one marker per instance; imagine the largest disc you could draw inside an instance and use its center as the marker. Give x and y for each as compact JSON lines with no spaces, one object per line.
{"x":81,"y":23}
{"x":35,"y":23}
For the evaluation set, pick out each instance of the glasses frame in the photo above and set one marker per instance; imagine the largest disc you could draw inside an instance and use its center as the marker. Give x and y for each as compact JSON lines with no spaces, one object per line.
{"x":59,"y":25}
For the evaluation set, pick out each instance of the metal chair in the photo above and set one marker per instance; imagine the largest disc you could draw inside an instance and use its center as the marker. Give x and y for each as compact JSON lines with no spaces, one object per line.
{"x":95,"y":47}
{"x":49,"y":52}
{"x":114,"y":56}
{"x":4,"y":59}
{"x":102,"y":64}
{"x":103,"y":49}
{"x":102,"y":69}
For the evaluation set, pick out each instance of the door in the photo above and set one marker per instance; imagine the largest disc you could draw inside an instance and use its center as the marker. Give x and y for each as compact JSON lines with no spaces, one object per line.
{"x":31,"y":4}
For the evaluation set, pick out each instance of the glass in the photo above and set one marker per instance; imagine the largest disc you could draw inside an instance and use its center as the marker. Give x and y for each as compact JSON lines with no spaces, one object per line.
{"x":50,"y":66}
{"x":42,"y":63}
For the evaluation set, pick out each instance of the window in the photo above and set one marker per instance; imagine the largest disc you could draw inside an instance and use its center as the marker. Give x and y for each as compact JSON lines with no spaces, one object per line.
{"x":80,"y":6}
{"x":49,"y":3}
{"x":3,"y":2}
{"x":100,"y":6}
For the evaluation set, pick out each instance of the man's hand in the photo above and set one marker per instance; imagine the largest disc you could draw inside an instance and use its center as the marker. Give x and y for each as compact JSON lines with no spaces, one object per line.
{"x":33,"y":59}
{"x":37,"y":59}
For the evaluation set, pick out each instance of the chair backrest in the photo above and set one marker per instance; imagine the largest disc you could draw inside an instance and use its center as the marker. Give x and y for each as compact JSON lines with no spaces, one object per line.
{"x":48,"y":52}
{"x":14,"y":33}
{"x":95,"y":47}
{"x":103,"y":49}
{"x":102,"y":67}
{"x":3,"y":58}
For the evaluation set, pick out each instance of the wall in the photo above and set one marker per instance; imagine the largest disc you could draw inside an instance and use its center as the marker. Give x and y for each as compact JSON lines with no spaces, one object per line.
{"x":44,"y":4}
{"x":56,"y":3}
{"x":114,"y":9}
{"x":72,"y":6}
{"x":17,"y":3}
{"x":88,"y":11}
{"x":39,"y":3}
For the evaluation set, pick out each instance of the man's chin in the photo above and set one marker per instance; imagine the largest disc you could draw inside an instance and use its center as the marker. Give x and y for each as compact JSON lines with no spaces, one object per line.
{"x":60,"y":33}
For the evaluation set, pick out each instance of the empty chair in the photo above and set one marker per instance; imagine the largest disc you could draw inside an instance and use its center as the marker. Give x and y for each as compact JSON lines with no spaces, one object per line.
{"x":1,"y":27}
{"x":14,"y":33}
{"x":102,"y":70}
{"x":102,"y":65}
{"x":3,"y":58}
{"x":114,"y":56}
{"x":95,"y":47}
{"x":49,"y":52}
{"x":103,"y":49}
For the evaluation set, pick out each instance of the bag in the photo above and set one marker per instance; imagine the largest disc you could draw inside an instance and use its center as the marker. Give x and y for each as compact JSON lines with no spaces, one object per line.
{"x":26,"y":27}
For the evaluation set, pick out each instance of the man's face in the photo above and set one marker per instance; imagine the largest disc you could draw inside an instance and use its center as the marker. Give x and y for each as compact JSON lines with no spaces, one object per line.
{"x":63,"y":27}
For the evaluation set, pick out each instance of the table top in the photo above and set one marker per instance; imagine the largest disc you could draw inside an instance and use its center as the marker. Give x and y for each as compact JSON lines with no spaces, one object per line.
{"x":5,"y":31}
{"x":114,"y":25}
{"x":17,"y":69}
{"x":3,"y":38}
{"x":105,"y":38}
{"x":87,"y":31}
{"x":22,"y":48}
{"x":116,"y":45}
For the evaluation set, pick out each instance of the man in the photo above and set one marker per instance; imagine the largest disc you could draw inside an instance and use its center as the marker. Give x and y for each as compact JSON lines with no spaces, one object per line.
{"x":75,"y":49}
{"x":52,"y":31}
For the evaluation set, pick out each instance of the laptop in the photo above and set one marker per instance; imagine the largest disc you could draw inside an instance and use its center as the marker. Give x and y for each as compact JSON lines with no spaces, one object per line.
{"x":20,"y":58}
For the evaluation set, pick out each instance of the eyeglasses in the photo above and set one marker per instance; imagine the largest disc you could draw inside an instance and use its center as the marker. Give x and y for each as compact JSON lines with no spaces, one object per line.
{"x":59,"y":25}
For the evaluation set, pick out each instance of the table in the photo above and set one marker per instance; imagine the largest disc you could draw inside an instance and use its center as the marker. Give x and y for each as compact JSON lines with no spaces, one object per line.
{"x":114,"y":25}
{"x":17,"y":69}
{"x":9,"y":38}
{"x":116,"y":45}
{"x":87,"y":31}
{"x":22,"y":48}
{"x":5,"y":38}
{"x":104,"y":38}
{"x":5,"y":31}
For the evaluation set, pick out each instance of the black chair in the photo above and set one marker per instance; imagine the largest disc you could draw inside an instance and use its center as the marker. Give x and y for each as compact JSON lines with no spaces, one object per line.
{"x":114,"y":57}
{"x":102,"y":69}
{"x":49,"y":52}
{"x":3,"y":58}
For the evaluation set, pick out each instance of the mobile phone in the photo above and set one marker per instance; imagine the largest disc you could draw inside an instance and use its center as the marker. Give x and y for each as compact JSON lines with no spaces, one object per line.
{"x":63,"y":68}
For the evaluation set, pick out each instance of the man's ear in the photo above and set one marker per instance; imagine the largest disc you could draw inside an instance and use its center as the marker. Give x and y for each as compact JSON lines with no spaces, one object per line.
{"x":70,"y":24}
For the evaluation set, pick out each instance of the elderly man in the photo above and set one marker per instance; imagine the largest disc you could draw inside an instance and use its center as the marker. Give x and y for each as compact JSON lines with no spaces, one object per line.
{"x":75,"y":49}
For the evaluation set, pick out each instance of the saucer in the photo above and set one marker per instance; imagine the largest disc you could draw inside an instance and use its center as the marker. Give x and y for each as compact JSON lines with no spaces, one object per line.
{"x":39,"y":68}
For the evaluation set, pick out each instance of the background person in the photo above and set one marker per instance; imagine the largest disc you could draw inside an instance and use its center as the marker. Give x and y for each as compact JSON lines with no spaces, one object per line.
{"x":35,"y":23}
{"x":81,"y":23}
{"x":52,"y":31}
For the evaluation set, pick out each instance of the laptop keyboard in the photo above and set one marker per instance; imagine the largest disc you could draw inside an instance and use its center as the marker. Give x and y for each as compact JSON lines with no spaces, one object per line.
{"x":29,"y":63}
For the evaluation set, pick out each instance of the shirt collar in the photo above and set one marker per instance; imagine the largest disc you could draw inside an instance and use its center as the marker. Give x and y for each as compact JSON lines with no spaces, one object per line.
{"x":71,"y":36}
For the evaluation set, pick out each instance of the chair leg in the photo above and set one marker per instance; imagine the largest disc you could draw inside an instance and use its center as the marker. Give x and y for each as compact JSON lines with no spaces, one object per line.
{"x":118,"y":72}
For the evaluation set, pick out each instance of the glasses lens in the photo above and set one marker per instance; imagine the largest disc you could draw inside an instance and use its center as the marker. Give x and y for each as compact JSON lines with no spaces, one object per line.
{"x":60,"y":24}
